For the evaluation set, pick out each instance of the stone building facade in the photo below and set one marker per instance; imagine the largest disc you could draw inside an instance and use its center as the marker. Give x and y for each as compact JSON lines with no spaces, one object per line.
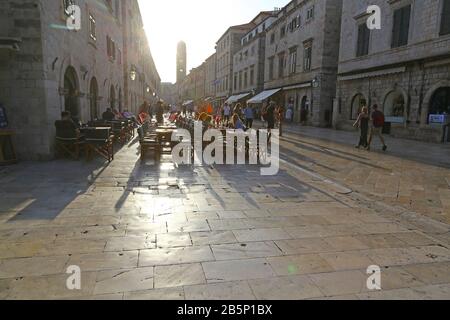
{"x":301,"y":55}
{"x":210,"y":77}
{"x":169,"y":93}
{"x":404,"y":68}
{"x":192,"y":88}
{"x":248,"y":62}
{"x":53,"y":68}
{"x":141,"y":79}
{"x":226,"y":47}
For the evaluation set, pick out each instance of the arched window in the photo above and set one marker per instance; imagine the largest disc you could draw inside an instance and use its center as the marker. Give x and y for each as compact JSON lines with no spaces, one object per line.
{"x":440,"y":102}
{"x":71,"y":92}
{"x":93,"y":93}
{"x":358,"y":102}
{"x":394,"y":107}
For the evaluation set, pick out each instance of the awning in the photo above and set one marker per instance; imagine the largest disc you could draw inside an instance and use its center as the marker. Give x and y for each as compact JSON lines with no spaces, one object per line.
{"x":299,"y":86}
{"x":238,"y":97}
{"x":263,"y":96}
{"x":186,"y":103}
{"x":372,"y":74}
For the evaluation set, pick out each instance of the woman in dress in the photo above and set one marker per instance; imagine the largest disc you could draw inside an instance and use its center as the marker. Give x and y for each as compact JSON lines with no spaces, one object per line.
{"x":363,"y":124}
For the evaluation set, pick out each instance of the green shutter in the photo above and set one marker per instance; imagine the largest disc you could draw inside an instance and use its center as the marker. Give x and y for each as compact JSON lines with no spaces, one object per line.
{"x":396,"y":28}
{"x":406,"y":17}
{"x":445,"y":19}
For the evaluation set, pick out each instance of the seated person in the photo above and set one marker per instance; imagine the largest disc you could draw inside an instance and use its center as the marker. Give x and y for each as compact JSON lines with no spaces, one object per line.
{"x":173,"y":117}
{"x":144,"y":117}
{"x":108,"y":115}
{"x":68,"y":126}
{"x":208,"y":122}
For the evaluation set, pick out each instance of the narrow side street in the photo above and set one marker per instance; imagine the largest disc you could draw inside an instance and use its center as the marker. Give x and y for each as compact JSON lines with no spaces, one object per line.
{"x":138,"y":231}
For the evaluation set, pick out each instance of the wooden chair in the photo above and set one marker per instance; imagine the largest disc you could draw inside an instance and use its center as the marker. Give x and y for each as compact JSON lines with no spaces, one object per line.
{"x":149,"y":142}
{"x":68,"y":142}
{"x":99,"y":140}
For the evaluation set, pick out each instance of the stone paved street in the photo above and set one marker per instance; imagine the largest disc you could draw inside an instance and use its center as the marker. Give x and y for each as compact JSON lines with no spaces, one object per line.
{"x":138,"y":231}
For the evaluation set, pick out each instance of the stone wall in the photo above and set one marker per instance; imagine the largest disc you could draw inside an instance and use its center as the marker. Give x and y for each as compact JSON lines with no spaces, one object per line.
{"x":23,"y":78}
{"x":415,"y":71}
{"x":323,"y":30}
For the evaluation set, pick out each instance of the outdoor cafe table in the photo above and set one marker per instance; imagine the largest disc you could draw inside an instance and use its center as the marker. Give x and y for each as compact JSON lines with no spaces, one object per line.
{"x":84,"y":129}
{"x":164,"y":134}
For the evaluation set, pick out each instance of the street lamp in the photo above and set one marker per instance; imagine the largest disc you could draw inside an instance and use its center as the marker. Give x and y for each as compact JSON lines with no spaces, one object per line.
{"x":133,"y":75}
{"x":315,"y":82}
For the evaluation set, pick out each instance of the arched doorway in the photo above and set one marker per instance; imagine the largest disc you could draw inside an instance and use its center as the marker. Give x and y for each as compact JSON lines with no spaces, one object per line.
{"x":71,"y":90}
{"x":440,"y":102}
{"x":304,"y":110}
{"x":358,"y":102}
{"x":112,"y":97}
{"x":394,"y":107}
{"x":93,"y":98}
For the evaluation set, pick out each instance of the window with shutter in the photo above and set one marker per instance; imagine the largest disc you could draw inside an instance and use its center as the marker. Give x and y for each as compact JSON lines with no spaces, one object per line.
{"x":271,"y":65}
{"x":400,"y":33}
{"x":281,"y":64}
{"x":445,"y":18}
{"x":307,"y":56}
{"x":363,"y":40}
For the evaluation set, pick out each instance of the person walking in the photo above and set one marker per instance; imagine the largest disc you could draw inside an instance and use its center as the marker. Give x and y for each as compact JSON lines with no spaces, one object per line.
{"x":226,"y":113}
{"x":270,"y":115}
{"x":249,"y":116}
{"x":377,"y":127}
{"x":363,"y":124}
{"x":280,"y":113}
{"x":159,"y":111}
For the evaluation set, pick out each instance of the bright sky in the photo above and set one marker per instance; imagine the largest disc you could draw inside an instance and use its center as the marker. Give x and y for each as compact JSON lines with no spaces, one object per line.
{"x":199,"y":23}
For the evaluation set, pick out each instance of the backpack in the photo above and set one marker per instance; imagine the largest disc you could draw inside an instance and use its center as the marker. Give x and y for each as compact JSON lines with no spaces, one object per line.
{"x":378,"y":119}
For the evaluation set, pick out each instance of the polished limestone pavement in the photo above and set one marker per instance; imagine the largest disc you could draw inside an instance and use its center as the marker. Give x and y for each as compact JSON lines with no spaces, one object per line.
{"x":146,"y":231}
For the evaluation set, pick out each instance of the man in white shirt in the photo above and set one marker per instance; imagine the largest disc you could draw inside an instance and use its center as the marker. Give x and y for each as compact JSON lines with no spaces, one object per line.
{"x":226,"y":113}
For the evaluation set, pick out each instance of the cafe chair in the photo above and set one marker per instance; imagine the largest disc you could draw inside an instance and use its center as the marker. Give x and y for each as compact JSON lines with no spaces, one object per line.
{"x":149,"y":142}
{"x":68,"y":142}
{"x":119,"y":130}
{"x":99,"y":140}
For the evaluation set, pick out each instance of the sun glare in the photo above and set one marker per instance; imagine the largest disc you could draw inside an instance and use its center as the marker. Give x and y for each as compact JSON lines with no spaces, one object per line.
{"x":199,"y":23}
